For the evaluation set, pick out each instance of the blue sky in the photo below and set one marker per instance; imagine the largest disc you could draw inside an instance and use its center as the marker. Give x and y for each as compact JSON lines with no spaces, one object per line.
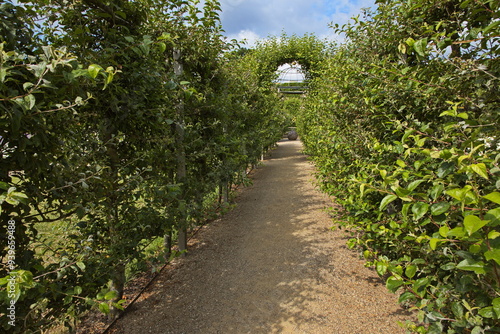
{"x":258,"y":19}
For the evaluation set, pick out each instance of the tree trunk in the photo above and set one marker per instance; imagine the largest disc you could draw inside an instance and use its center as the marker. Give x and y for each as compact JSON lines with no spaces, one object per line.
{"x":113,"y":218}
{"x":117,"y":285}
{"x":181,"y":157}
{"x":167,"y":244}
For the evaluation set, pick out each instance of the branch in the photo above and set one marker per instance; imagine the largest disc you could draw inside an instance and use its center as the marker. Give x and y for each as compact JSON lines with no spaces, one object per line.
{"x":31,"y":91}
{"x":55,"y":271}
{"x":61,"y":108}
{"x":50,"y":220}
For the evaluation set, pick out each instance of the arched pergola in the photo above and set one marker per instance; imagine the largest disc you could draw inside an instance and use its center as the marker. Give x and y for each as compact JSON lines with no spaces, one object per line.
{"x":308,"y":51}
{"x":291,"y":79}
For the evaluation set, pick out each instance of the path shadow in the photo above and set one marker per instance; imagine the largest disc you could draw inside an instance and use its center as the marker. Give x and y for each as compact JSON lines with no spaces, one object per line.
{"x":269,"y":266}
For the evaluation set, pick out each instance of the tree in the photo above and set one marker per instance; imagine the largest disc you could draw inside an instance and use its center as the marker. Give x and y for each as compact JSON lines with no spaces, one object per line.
{"x":88,"y":142}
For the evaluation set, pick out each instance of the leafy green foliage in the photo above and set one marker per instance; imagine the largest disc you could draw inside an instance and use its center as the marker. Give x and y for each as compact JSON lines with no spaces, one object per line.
{"x":403,"y":126}
{"x":87,"y":124}
{"x":401,"y":120}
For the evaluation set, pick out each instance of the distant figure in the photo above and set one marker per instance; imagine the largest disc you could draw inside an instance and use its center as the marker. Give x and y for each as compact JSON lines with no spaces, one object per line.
{"x":292,"y":135}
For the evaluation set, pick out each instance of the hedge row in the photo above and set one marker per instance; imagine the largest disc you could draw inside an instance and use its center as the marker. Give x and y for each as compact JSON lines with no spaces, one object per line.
{"x":403,"y":126}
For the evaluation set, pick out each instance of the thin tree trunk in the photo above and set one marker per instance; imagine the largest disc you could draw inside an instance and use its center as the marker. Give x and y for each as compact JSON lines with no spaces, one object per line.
{"x":181,"y":157}
{"x":118,"y":269}
{"x":167,"y":244}
{"x":117,"y":285}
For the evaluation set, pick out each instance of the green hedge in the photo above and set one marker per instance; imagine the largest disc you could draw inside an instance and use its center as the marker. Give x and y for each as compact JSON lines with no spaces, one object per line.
{"x":90,"y":124}
{"x":403,"y":126}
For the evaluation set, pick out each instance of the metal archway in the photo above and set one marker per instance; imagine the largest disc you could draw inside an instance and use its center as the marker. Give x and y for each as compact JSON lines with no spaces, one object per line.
{"x":291,"y":79}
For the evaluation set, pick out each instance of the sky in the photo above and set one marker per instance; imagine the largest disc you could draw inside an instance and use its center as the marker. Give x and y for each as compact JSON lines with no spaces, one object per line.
{"x":258,"y":19}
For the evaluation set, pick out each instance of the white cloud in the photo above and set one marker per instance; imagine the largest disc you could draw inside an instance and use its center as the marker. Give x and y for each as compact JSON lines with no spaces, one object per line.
{"x":262,"y":18}
{"x":247,"y":36}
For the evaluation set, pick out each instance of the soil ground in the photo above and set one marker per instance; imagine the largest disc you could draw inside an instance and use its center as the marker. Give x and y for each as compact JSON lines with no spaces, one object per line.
{"x":271,"y":265}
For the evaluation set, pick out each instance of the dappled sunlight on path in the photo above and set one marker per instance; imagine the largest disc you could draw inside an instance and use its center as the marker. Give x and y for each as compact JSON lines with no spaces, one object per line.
{"x":272,"y":265}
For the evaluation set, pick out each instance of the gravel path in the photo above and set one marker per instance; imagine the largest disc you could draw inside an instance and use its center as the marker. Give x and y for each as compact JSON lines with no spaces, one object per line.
{"x":271,"y":265}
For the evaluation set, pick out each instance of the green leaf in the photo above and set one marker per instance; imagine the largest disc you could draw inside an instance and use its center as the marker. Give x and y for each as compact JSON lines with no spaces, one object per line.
{"x":386,"y":200}
{"x":410,"y":41}
{"x":367,"y":254}
{"x":404,"y":210}
{"x":472,"y":265}
{"x":448,"y":266}
{"x":440,"y":208}
{"x":109,"y":78}
{"x":362,"y":189}
{"x":493,"y":254}
{"x":401,"y":163}
{"x":487,"y":312}
{"x":436,"y":191}
{"x":433,"y":243}
{"x":465,"y":3}
{"x":30,"y":101}
{"x":4,"y":280}
{"x":410,"y":271}
{"x":26,"y":103}
{"x":491,"y":27}
{"x":393,"y":283}
{"x":457,"y":309}
{"x":480,"y":169}
{"x":406,"y":296}
{"x":164,"y":35}
{"x":472,"y":224}
{"x":474,"y":248}
{"x":444,"y":230}
{"x":457,"y":193}
{"x":15,"y":197}
{"x":420,"y":47}
{"x":445,"y":168}
{"x":477,"y":330}
{"x":493,"y":215}
{"x":110,"y":295}
{"x":18,"y":196}
{"x":25,"y":276}
{"x":68,"y":299}
{"x":420,"y":285}
{"x":121,"y":14}
{"x":78,"y":290}
{"x":494,"y":197}
{"x":81,"y":265}
{"x":94,"y":70}
{"x":407,"y":134}
{"x":412,"y":186}
{"x":458,"y":232}
{"x":493,"y":235}
{"x":3,"y":74}
{"x":119,"y":304}
{"x":162,"y":47}
{"x":104,"y":308}
{"x":403,"y":193}
{"x":496,"y":306}
{"x":419,"y":209}
{"x":38,"y":69}
{"x":381,"y":267}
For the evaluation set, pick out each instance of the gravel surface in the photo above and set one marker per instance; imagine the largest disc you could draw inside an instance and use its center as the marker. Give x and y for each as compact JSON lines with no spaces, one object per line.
{"x":271,"y":265}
